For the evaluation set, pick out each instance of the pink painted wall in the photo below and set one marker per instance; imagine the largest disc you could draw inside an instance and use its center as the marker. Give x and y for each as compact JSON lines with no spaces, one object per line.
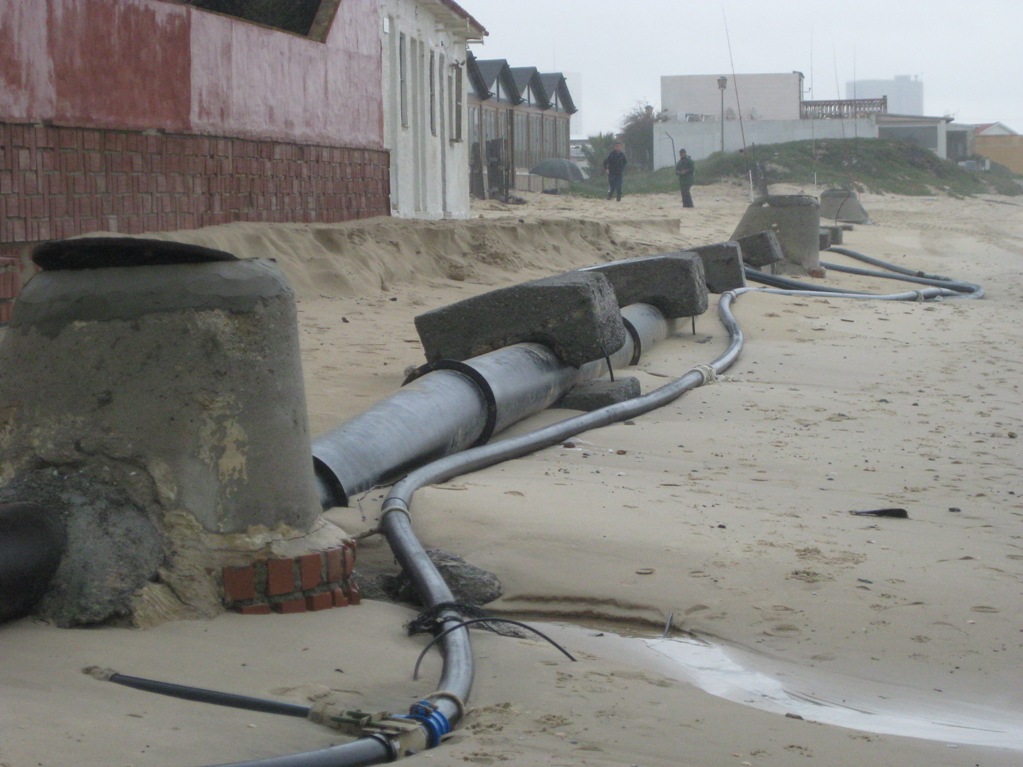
{"x":136,"y":116}
{"x":155,"y":64}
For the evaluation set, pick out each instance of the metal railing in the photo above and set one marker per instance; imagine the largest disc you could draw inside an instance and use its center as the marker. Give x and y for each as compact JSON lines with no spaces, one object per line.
{"x":842,"y":108}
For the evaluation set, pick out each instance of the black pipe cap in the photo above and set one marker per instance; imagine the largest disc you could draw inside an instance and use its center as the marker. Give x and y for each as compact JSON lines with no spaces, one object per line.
{"x":102,"y":252}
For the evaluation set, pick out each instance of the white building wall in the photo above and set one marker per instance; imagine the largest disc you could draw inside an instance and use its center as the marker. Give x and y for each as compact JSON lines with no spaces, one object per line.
{"x":424,"y":83}
{"x":760,"y":96}
{"x":701,"y":139}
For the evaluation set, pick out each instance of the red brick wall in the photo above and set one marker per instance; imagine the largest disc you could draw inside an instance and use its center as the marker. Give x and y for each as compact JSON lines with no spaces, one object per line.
{"x":58,"y":182}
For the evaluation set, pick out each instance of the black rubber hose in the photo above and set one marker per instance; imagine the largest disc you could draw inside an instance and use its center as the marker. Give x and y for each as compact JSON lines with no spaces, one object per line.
{"x":202,"y":695}
{"x":32,"y":541}
{"x":360,"y":753}
{"x":968,"y":289}
{"x":788,"y":283}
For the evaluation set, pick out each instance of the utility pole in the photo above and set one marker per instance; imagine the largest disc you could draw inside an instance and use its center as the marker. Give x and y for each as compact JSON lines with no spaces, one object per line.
{"x":722,"y":84}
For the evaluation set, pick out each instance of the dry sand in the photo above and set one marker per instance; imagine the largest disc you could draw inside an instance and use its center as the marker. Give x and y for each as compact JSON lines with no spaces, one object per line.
{"x":728,"y":510}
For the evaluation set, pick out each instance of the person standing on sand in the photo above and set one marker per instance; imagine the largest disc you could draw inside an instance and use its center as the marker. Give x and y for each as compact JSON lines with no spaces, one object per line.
{"x":686,"y":172}
{"x":614,"y":167}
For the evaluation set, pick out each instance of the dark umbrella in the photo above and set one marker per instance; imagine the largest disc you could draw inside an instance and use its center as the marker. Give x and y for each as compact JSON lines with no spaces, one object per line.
{"x":558,"y":167}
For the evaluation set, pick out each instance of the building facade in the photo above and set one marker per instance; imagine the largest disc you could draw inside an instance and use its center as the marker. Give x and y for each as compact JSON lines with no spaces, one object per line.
{"x":517,"y":117}
{"x":132,"y":116}
{"x":425,"y":120}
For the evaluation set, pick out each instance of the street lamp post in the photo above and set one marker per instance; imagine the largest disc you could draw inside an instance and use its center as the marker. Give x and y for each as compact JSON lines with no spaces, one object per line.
{"x":722,"y":84}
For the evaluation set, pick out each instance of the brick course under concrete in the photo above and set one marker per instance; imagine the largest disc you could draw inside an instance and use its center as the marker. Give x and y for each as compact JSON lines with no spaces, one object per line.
{"x":307,"y":582}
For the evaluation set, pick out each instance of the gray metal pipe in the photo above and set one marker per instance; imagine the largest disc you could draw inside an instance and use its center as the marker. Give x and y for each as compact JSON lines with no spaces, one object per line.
{"x":454,"y":405}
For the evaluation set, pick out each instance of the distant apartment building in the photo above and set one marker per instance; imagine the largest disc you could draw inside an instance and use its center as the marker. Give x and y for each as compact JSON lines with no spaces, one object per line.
{"x":905,"y":94}
{"x":713,"y":113}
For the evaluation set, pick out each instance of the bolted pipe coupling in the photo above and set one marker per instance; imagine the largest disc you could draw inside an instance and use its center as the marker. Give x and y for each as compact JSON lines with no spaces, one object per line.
{"x":432,"y":720}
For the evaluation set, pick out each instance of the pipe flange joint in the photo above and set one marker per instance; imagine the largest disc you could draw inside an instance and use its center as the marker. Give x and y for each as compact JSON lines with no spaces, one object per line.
{"x":432,"y":721}
{"x":637,"y":342}
{"x":486,"y":391}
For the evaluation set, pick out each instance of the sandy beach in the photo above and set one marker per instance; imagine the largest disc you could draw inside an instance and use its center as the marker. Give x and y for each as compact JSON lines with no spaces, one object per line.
{"x":701,"y":562}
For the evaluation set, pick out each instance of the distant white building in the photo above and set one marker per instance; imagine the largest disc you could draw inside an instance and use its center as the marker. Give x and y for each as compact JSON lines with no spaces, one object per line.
{"x":905,"y":94}
{"x":712,"y":113}
{"x":697,"y":98}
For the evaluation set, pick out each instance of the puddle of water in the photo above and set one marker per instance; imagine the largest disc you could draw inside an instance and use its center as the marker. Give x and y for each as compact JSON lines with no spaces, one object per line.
{"x":849,"y":703}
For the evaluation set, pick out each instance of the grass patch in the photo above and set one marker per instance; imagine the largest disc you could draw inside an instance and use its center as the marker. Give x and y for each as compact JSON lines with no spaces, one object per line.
{"x":866,"y":165}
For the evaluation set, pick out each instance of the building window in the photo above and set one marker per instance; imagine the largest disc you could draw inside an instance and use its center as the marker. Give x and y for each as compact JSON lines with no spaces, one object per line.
{"x":562,"y":149}
{"x":474,"y":125}
{"x":433,"y":93}
{"x":520,"y":139}
{"x":535,"y":136}
{"x":456,"y":102}
{"x":403,"y":78}
{"x":548,"y":137}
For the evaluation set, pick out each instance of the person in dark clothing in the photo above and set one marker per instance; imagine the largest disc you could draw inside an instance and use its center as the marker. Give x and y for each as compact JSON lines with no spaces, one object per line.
{"x":614,"y":167}
{"x":686,"y":172}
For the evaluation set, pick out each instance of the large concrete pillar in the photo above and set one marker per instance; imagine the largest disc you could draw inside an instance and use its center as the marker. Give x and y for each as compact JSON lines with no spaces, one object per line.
{"x":162,"y":408}
{"x":795,"y":220}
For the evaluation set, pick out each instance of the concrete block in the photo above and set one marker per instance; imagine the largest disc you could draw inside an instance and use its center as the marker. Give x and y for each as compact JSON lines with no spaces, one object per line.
{"x":842,"y":205}
{"x":575,"y":314}
{"x":722,"y":266}
{"x":835,"y":231}
{"x":593,"y":395}
{"x":823,"y":239}
{"x":143,"y":341}
{"x":760,"y":249}
{"x":795,"y":220}
{"x":673,"y":282}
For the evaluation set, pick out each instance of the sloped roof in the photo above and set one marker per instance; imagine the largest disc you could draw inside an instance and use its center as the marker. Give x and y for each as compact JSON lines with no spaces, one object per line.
{"x":529,"y":77}
{"x":455,"y":19}
{"x":993,"y":129}
{"x":496,"y":78}
{"x":557,"y":89}
{"x":550,"y":88}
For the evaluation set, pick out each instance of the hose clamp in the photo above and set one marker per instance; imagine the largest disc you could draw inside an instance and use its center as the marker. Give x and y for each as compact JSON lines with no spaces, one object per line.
{"x":448,"y":696}
{"x":433,"y":721}
{"x":707,"y":372}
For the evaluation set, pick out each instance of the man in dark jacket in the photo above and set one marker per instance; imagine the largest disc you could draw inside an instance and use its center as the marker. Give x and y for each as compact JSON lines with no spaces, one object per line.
{"x":685,"y":169}
{"x":614,"y":167}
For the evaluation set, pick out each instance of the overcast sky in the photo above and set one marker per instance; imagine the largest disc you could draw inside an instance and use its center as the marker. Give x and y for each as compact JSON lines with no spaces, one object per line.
{"x":967,"y":53}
